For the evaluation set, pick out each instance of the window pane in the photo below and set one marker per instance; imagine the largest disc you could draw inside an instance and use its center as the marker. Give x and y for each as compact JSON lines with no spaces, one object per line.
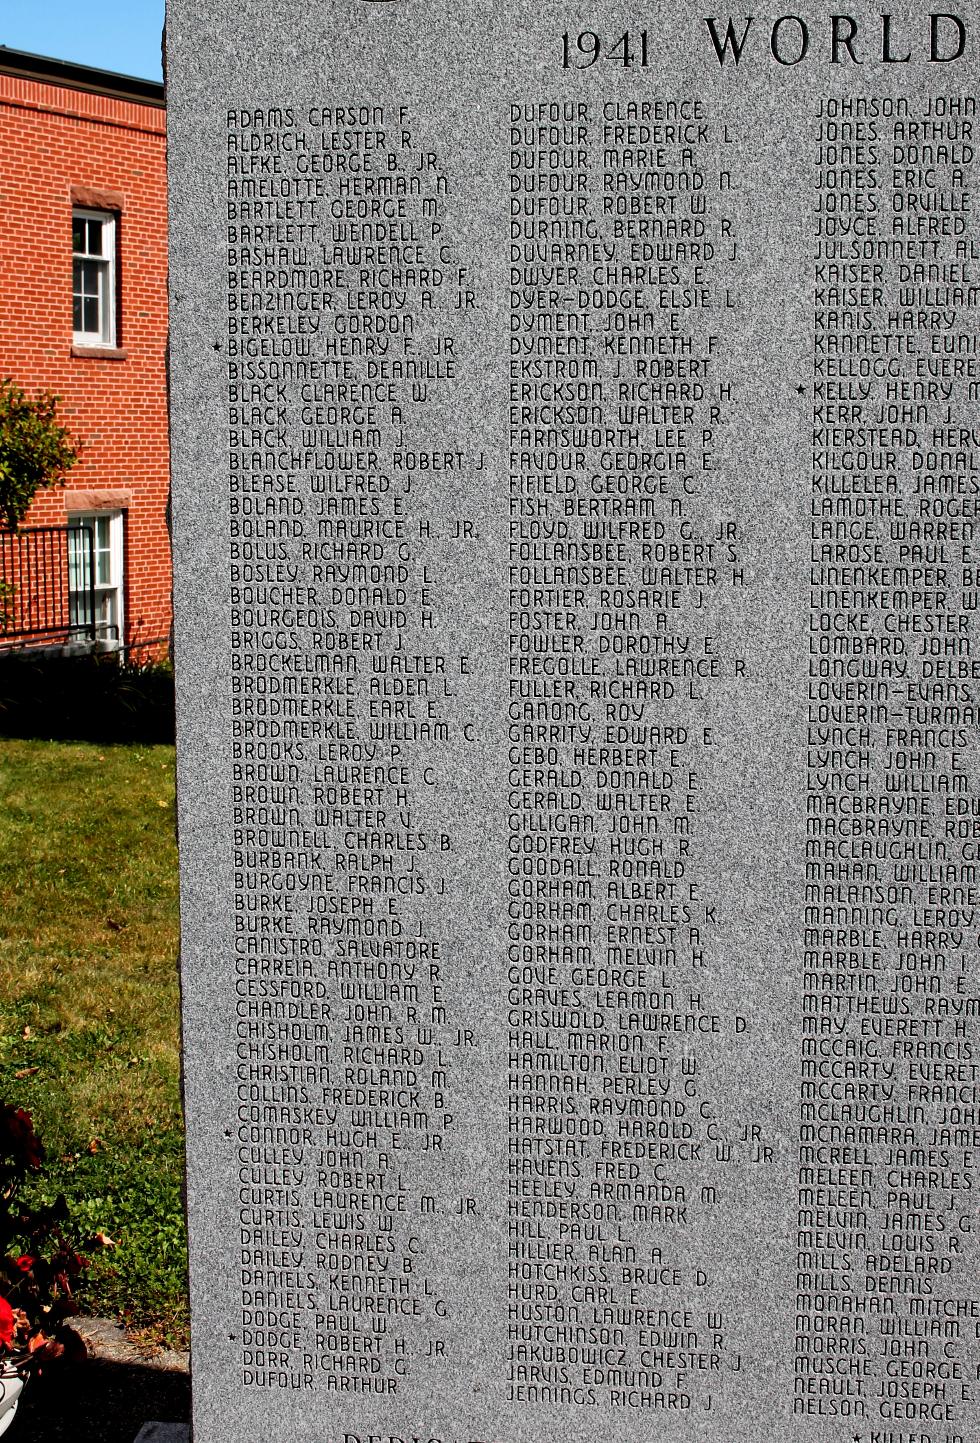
{"x":79,"y":610}
{"x":105,"y":616}
{"x":88,"y":286}
{"x":92,"y":278}
{"x":79,"y":578}
{"x":99,"y":538}
{"x":103,"y":552}
{"x":103,"y":555}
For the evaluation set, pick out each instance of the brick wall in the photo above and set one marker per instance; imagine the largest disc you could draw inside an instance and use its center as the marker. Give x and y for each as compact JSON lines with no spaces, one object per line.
{"x":57,"y":142}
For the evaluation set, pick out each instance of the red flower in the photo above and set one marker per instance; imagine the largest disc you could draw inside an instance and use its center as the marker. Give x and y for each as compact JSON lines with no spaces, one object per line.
{"x":6,"y":1323}
{"x":24,"y":1262}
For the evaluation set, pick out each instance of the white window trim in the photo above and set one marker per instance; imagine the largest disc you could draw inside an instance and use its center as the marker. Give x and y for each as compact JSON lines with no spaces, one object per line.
{"x":117,"y":577}
{"x":106,"y":338}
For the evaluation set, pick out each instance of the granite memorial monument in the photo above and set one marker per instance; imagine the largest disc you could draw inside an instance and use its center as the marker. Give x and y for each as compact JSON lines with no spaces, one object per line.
{"x":577,"y":548}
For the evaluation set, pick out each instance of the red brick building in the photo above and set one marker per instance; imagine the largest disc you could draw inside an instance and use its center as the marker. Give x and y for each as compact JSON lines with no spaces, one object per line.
{"x":83,"y":313}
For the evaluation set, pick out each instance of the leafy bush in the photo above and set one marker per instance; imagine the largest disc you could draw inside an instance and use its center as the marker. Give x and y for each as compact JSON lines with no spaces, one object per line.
{"x":40,"y":1261}
{"x":36,"y":450}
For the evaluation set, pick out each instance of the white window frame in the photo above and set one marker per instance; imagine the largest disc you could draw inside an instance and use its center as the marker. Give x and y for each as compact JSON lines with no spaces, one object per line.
{"x":111,"y":590}
{"x":106,"y":335}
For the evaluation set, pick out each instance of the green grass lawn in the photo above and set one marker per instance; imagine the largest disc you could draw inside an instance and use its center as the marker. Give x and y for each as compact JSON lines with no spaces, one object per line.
{"x":89,"y":1007}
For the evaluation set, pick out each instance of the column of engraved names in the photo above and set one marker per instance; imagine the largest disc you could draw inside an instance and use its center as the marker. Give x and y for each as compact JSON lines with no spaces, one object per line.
{"x":886,"y":1306}
{"x":342,"y":1072}
{"x":612,"y":419}
{"x":283,"y":1024}
{"x":662,"y":298}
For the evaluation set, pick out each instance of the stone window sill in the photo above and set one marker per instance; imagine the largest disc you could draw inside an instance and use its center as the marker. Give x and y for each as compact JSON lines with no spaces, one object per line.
{"x":100,"y":353}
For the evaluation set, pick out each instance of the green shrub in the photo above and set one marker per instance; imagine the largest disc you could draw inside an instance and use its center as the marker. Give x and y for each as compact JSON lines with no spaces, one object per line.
{"x":36,"y":450}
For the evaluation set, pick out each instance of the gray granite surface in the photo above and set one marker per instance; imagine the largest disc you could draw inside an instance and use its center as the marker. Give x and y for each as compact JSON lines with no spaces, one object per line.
{"x":575,"y":455}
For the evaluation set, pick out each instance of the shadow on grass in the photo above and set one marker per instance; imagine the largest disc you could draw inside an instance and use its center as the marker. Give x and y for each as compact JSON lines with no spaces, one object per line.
{"x":100,"y":1401}
{"x":96,"y":698}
